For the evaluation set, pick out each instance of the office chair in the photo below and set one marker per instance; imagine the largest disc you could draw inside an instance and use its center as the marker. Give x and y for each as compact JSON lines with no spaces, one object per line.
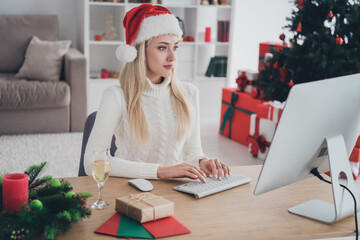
{"x":89,"y":123}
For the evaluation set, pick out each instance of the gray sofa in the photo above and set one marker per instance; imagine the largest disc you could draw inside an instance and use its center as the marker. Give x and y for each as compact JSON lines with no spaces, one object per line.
{"x":31,"y":106}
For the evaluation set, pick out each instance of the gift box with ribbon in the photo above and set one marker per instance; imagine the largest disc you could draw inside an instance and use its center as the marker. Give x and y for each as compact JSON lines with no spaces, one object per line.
{"x":264,"y":49}
{"x":144,"y":207}
{"x":236,"y":110}
{"x":246,"y":80}
{"x":262,"y":127}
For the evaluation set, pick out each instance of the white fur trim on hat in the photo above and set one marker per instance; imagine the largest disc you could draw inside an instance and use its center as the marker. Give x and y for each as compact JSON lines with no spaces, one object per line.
{"x":126,"y":53}
{"x":158,"y":25}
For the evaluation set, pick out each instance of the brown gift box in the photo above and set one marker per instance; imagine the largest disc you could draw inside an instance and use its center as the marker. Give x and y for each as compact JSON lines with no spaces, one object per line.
{"x":144,"y":207}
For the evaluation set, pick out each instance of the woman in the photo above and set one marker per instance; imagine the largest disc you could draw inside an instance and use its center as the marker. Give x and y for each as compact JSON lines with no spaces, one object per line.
{"x":154,"y":117}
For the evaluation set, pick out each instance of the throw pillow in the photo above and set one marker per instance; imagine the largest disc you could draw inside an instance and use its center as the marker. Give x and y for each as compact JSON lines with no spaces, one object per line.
{"x":43,"y":60}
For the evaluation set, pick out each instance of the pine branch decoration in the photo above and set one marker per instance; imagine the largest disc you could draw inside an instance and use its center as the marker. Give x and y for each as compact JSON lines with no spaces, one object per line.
{"x":52,"y":207}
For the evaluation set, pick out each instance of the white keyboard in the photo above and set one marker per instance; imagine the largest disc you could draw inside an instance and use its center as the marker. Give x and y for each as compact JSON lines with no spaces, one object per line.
{"x":212,"y":185}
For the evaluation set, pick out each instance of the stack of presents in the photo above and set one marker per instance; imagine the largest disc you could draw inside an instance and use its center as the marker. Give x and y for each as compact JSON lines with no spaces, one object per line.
{"x":251,"y":121}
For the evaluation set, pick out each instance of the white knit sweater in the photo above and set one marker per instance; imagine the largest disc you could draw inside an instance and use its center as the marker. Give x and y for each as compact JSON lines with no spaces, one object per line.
{"x":166,"y":150}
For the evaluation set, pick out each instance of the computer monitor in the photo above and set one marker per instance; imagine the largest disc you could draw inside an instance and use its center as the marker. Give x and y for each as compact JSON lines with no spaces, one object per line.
{"x":318,"y":128}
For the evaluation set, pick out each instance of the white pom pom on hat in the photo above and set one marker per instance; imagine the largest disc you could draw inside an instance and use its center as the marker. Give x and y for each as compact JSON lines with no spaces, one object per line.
{"x":126,"y":53}
{"x":142,"y":23}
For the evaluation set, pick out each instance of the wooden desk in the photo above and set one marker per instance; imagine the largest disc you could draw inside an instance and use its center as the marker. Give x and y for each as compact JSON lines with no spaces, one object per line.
{"x":233,"y":214}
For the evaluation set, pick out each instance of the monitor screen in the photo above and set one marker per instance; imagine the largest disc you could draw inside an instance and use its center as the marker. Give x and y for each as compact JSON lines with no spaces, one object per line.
{"x":313,"y":112}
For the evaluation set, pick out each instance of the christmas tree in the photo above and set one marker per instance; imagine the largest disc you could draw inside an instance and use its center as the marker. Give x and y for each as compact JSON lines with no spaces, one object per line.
{"x":110,"y":33}
{"x":325,"y":44}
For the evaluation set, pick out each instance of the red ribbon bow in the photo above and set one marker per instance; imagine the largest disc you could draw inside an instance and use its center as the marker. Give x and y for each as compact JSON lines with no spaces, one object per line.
{"x":242,"y":81}
{"x":258,"y":143}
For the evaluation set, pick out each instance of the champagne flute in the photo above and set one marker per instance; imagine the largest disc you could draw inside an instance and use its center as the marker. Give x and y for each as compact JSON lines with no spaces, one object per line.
{"x":100,"y":172}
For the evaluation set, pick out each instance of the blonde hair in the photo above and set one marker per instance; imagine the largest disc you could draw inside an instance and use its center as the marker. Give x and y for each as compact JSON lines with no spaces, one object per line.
{"x":133,"y":83}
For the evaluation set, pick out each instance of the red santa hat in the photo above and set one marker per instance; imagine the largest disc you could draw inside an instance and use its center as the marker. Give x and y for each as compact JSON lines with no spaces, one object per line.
{"x":143,"y":23}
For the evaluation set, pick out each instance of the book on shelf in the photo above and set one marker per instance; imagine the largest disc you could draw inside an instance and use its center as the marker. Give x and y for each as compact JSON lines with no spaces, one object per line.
{"x":223,"y":31}
{"x":217,"y":67}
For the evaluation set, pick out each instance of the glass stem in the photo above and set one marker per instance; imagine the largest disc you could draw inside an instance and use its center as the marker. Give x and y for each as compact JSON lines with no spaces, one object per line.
{"x":100,"y":186}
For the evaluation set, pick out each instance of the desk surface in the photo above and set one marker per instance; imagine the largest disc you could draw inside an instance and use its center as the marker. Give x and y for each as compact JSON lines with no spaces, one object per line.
{"x":233,"y":214}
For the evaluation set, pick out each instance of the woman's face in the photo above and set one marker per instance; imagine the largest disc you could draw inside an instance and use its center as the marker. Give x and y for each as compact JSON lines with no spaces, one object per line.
{"x":160,"y":57}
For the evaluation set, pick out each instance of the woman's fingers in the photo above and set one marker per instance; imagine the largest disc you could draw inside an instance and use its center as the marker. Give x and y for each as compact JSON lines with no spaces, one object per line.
{"x":197,"y":173}
{"x":219,"y":169}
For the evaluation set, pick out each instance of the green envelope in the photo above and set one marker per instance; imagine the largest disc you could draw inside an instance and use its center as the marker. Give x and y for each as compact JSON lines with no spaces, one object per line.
{"x":131,"y":228}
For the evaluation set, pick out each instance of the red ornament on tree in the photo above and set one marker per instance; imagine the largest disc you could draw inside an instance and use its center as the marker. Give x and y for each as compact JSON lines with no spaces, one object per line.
{"x":300,"y":4}
{"x":299,"y":28}
{"x":282,"y":37}
{"x":275,"y":66}
{"x":255,"y":93}
{"x":330,"y":15}
{"x":291,"y":83}
{"x":283,"y":72}
{"x":339,"y":40}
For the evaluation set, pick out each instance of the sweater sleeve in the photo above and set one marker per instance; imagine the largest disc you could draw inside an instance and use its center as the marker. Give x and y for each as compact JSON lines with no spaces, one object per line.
{"x":192,"y":148}
{"x":107,"y":118}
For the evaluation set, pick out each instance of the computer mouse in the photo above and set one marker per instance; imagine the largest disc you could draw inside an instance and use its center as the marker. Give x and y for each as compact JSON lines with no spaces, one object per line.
{"x":141,"y":184}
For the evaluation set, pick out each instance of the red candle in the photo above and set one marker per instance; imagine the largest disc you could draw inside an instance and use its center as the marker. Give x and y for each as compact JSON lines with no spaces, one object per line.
{"x":208,"y":34}
{"x":15,"y":191}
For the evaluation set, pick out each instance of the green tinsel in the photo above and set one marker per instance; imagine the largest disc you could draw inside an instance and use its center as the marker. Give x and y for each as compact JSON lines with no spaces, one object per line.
{"x":56,"y":213}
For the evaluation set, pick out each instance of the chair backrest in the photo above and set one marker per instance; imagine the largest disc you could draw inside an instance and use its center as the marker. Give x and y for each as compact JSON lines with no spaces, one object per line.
{"x":89,"y":123}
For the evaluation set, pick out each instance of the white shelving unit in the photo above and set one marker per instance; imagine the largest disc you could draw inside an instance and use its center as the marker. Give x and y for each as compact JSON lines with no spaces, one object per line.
{"x":194,"y":57}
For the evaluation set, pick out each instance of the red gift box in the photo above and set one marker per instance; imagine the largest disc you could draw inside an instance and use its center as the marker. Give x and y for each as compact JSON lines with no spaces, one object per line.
{"x":236,"y":109}
{"x":262,"y":127}
{"x":265,"y":48}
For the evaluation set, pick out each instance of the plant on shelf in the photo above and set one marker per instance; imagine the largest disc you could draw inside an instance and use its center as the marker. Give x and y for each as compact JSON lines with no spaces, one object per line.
{"x":52,"y":206}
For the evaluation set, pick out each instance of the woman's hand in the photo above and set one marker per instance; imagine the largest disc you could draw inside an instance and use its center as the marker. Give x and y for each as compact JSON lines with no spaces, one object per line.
{"x":180,"y":171}
{"x":214,"y":167}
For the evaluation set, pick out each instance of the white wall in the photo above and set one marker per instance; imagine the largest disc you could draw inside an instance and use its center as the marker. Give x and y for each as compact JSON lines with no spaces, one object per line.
{"x":69,"y":12}
{"x":259,"y":21}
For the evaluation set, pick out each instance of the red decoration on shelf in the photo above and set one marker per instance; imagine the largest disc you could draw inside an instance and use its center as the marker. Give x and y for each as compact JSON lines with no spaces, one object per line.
{"x":282,"y":37}
{"x":339,"y":40}
{"x":299,"y":28}
{"x":104,"y":73}
{"x":207,"y":34}
{"x":15,"y":191}
{"x":98,"y":37}
{"x":291,"y":83}
{"x":188,"y":39}
{"x":330,"y":15}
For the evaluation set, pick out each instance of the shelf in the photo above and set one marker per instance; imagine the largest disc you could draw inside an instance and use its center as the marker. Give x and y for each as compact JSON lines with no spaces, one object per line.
{"x":166,"y":5}
{"x":204,"y":78}
{"x":215,"y":6}
{"x":106,"y":4}
{"x":107,"y":80}
{"x":105,"y":42}
{"x":214,"y":43}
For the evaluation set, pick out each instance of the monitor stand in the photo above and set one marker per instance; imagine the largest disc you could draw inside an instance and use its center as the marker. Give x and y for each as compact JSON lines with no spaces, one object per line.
{"x":343,"y":202}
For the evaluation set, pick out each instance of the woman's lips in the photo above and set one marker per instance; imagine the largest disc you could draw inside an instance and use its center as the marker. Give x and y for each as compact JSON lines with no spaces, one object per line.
{"x":168,"y":66}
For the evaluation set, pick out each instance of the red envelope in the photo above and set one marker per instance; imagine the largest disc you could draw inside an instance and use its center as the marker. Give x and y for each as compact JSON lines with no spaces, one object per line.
{"x":165,"y":227}
{"x":110,"y":227}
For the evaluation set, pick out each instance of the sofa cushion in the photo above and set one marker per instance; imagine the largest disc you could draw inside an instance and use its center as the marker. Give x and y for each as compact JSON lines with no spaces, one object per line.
{"x":16,"y":32}
{"x":23,"y":94}
{"x":43,"y":60}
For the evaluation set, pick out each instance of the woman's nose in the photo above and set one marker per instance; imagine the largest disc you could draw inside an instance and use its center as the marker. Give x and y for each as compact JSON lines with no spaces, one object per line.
{"x":171,"y":56}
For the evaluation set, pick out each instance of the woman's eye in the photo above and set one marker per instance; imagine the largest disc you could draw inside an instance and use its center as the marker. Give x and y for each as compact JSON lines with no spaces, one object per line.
{"x":161,"y":48}
{"x":176,"y":48}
